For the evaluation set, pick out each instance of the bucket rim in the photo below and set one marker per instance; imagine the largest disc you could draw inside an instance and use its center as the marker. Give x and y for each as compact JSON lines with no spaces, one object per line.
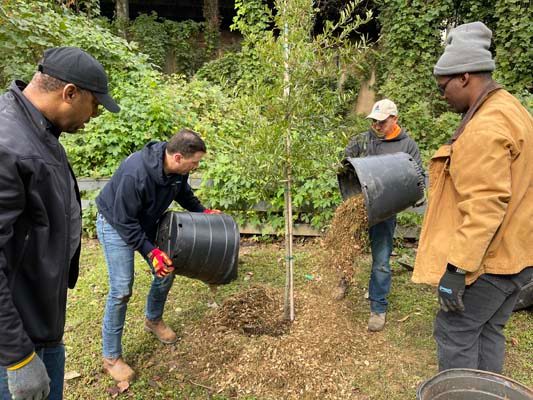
{"x":473,"y":372}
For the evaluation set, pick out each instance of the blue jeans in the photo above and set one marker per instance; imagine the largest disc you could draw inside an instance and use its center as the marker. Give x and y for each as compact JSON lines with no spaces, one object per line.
{"x":381,"y":243}
{"x":54,"y":361}
{"x":120,"y":262}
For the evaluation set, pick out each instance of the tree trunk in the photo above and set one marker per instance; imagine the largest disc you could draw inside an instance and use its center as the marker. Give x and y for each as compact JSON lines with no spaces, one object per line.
{"x":212,"y":27}
{"x":289,"y":282}
{"x":122,"y":13}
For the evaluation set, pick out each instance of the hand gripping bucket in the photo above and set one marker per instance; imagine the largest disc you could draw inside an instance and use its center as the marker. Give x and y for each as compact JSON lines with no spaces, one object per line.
{"x":201,"y":246}
{"x":470,"y":384}
{"x":390,"y":183}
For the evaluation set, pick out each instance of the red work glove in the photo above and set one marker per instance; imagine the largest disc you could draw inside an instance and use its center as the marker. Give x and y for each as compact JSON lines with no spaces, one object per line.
{"x":161,"y":262}
{"x":212,"y":211}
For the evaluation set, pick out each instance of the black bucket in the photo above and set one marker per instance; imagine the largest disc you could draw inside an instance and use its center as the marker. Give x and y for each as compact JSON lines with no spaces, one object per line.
{"x":470,"y":384}
{"x":201,"y":246}
{"x":390,"y":183}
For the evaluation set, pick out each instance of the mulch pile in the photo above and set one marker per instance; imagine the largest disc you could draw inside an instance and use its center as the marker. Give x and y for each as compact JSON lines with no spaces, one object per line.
{"x":244,"y":347}
{"x":256,"y":311}
{"x":314,"y":360}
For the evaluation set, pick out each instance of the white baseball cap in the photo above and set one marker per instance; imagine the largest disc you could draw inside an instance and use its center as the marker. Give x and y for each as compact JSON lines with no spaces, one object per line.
{"x":382,"y":110}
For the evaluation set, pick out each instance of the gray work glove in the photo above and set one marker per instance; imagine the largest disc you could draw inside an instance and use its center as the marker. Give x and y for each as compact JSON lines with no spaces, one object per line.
{"x":30,"y":382}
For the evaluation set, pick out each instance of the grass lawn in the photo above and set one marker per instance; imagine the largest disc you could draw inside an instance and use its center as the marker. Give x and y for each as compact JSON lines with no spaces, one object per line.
{"x":327,"y":353}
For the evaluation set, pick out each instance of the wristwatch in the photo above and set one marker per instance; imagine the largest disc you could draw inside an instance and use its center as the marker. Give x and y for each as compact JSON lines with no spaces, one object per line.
{"x":453,"y":268}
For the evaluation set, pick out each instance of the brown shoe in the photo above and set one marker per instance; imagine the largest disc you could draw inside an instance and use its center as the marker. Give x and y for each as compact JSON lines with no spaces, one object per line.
{"x":118,"y":369}
{"x":161,"y":331}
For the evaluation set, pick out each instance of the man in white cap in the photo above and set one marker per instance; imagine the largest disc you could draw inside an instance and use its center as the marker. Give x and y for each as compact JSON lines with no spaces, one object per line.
{"x":385,"y":136}
{"x":475,"y":244}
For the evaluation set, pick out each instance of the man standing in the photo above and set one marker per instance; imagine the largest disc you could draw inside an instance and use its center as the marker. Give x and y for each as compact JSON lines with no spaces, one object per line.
{"x":385,"y":136}
{"x":129,"y":209}
{"x":475,"y":243}
{"x":40,"y":217}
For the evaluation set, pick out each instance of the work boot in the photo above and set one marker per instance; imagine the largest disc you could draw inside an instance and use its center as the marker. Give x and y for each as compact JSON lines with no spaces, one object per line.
{"x":161,"y":331}
{"x":339,"y":292}
{"x":376,"y":322}
{"x":118,"y":369}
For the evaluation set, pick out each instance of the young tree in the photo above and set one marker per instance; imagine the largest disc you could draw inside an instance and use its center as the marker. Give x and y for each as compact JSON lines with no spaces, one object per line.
{"x":291,"y":132}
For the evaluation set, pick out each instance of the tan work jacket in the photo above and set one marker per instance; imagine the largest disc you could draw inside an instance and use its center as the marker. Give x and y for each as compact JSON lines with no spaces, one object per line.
{"x":480,"y":210}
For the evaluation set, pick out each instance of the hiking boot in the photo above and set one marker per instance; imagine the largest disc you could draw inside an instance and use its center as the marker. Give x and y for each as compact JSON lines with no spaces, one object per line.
{"x":339,"y":292}
{"x":376,"y":322}
{"x":161,"y":331}
{"x":118,"y":369}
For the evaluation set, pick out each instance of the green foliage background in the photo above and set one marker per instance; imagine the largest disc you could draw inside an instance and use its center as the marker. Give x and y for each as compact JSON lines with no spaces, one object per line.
{"x":237,"y":101}
{"x":412,"y":42}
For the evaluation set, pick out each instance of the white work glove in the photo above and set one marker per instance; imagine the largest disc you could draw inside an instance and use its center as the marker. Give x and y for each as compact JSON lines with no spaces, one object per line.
{"x":30,"y":381}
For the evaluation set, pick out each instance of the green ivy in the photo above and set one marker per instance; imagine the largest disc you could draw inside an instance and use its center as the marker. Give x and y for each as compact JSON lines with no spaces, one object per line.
{"x":166,"y":40}
{"x":412,"y":41}
{"x":514,"y":44}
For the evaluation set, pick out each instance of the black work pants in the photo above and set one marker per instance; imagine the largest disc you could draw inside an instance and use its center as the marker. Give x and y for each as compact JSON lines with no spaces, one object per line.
{"x":474,"y":338}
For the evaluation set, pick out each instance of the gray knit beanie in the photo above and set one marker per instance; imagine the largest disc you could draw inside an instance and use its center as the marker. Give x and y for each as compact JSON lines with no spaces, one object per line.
{"x":467,"y":50}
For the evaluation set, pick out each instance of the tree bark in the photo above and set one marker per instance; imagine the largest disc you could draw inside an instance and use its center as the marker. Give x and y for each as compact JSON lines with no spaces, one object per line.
{"x":212,"y":26}
{"x":122,"y":13}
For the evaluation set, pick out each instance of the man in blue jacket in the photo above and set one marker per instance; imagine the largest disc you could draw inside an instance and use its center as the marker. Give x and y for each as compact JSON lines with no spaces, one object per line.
{"x":385,"y":136}
{"x":129,"y":208}
{"x":40,"y":217}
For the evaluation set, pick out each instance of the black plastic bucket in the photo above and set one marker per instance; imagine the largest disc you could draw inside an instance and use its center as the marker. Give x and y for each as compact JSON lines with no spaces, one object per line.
{"x":390,"y":183}
{"x":202,"y":246}
{"x":470,"y":384}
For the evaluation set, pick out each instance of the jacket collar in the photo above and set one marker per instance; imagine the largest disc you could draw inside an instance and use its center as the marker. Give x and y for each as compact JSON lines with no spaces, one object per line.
{"x":489,"y":89}
{"x":36,"y":116}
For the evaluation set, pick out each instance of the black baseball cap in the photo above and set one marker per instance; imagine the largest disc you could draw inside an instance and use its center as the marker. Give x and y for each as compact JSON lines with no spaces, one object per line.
{"x":73,"y":65}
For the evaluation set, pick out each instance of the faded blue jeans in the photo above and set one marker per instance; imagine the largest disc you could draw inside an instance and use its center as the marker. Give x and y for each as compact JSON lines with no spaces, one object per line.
{"x":54,"y":361}
{"x":381,"y":243}
{"x":120,"y":263}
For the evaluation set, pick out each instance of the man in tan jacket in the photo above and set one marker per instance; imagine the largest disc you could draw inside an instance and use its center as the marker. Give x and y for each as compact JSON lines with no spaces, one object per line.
{"x":476,"y":237}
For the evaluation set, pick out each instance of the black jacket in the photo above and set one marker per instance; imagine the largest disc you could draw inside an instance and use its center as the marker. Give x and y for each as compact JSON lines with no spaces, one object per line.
{"x":138,"y":194}
{"x":35,"y":205}
{"x":368,"y":144}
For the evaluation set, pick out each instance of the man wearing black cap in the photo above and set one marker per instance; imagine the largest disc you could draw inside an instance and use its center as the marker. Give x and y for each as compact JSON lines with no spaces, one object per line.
{"x":475,"y":244}
{"x":40,"y":217}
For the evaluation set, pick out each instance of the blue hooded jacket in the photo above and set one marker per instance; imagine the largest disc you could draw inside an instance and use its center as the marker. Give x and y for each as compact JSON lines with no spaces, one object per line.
{"x":138,"y":194}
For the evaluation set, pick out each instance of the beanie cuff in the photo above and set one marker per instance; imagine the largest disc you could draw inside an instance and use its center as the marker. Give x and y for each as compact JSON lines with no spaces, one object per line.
{"x":481,"y":66}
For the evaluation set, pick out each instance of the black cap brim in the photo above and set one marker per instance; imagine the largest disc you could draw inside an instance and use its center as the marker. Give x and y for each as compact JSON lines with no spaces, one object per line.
{"x":107,"y":101}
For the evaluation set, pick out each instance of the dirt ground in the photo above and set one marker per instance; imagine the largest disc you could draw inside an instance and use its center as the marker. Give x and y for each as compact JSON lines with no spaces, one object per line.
{"x":244,"y":348}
